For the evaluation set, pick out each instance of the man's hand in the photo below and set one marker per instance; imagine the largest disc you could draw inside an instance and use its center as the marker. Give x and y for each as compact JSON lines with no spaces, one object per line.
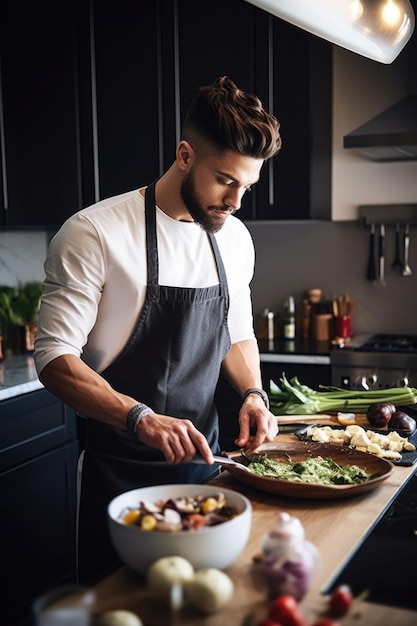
{"x":254,"y":414}
{"x":177,"y":439}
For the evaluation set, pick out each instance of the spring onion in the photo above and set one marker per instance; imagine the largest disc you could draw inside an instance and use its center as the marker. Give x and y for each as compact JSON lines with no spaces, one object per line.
{"x":293,"y":398}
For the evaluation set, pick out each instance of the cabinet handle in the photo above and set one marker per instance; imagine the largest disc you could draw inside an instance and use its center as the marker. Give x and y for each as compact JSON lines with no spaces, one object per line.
{"x":271,"y":189}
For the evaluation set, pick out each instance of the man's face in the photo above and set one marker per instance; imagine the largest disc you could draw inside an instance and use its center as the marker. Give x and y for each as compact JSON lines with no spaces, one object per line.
{"x":213,"y":187}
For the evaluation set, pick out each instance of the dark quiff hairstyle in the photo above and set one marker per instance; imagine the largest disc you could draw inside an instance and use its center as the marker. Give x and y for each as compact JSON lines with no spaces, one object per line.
{"x":230,"y":119}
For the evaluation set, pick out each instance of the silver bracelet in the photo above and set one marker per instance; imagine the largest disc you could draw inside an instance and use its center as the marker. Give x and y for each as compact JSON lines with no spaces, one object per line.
{"x":135,"y":415}
{"x":260,"y":392}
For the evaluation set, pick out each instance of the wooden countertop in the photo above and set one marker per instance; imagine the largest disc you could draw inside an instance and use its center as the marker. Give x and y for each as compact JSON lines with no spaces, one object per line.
{"x":336,"y":527}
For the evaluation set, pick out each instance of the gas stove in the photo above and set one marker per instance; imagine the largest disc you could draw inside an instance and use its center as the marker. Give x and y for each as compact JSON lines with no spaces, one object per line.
{"x":376,"y":362}
{"x":404,"y":344}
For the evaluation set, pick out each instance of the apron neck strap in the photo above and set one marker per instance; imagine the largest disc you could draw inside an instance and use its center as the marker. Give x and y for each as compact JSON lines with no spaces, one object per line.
{"x":152,"y":246}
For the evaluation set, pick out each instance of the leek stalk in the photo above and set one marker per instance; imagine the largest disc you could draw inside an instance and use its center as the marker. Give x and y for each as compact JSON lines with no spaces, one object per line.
{"x":293,"y":398}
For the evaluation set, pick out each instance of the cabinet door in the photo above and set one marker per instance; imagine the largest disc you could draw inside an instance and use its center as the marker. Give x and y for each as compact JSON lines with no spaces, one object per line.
{"x":37,"y":526}
{"x":149,"y":61}
{"x":289,"y":70}
{"x":214,"y":39}
{"x":32,"y":424}
{"x":129,"y":93}
{"x":39,"y":112}
{"x":293,"y":79}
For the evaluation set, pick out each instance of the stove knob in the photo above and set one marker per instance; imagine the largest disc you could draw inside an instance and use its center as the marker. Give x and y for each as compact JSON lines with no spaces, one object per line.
{"x":404,"y":382}
{"x":364,"y":383}
{"x":373,"y":379}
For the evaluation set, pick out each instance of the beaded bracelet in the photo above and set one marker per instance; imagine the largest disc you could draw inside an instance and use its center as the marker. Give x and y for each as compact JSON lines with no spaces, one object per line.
{"x":135,"y":415}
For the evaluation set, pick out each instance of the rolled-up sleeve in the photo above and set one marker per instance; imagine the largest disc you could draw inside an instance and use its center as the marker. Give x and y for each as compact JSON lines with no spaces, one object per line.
{"x":75,"y":274}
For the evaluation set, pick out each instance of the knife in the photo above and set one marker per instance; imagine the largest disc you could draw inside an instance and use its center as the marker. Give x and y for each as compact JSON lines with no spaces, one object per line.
{"x":382,"y":254}
{"x":292,"y":427}
{"x":220,"y":460}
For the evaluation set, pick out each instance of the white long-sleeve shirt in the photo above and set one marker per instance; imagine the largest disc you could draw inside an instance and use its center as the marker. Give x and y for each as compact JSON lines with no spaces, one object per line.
{"x":96,"y":277}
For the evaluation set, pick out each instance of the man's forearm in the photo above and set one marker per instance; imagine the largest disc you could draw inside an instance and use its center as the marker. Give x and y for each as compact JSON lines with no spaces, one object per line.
{"x":71,"y":380}
{"x":241,"y":367}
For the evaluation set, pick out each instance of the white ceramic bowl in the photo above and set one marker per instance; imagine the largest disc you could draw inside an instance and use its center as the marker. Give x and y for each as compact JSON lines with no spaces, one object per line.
{"x":212,"y":546}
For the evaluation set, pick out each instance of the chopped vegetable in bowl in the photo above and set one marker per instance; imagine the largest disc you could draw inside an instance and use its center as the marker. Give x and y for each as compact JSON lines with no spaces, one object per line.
{"x":183,"y":513}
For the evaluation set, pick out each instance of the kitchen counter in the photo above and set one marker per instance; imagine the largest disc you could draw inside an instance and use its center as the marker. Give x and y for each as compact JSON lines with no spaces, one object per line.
{"x":301,"y":351}
{"x":336,"y":527}
{"x":18,"y":376}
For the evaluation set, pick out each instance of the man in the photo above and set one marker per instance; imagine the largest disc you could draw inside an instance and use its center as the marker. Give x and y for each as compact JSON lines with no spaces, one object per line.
{"x":146,"y":298}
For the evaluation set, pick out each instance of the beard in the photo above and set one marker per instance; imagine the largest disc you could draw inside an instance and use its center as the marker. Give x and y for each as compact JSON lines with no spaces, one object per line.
{"x":212,"y":218}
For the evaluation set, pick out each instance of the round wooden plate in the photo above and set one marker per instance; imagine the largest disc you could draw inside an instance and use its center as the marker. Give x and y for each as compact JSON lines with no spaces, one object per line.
{"x":299,"y":451}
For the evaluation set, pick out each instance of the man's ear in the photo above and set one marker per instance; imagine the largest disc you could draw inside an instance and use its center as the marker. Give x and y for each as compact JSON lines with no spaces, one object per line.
{"x":184,"y":155}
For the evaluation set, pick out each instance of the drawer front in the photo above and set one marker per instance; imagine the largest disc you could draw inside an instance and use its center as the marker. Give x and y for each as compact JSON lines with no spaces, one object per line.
{"x":31,"y":425}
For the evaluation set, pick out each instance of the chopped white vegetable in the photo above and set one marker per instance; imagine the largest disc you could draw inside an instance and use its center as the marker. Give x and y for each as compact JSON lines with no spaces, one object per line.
{"x":387,"y":446}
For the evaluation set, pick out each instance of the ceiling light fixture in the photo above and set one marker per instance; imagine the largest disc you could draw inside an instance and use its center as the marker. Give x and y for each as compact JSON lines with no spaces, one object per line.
{"x":376,"y":29}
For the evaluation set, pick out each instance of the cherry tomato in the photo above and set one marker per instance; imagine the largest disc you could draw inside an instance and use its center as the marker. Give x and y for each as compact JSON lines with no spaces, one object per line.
{"x":341,"y":601}
{"x":285,"y":611}
{"x":196,"y":520}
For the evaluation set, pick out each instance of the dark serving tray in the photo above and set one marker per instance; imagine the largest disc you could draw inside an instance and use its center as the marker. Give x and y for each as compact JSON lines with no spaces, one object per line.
{"x":408,"y":457}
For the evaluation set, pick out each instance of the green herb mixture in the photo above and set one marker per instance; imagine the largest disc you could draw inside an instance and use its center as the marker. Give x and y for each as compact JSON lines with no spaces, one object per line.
{"x":312,"y":470}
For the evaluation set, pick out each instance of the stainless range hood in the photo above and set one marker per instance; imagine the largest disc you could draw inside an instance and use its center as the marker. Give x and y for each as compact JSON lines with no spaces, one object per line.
{"x":392,"y":135}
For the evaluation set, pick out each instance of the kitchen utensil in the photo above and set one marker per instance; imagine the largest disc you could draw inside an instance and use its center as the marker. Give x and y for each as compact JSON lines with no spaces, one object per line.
{"x":222,"y":460}
{"x":371,"y":272}
{"x":382,"y":254}
{"x":406,"y":271}
{"x":300,"y":451}
{"x":397,"y":264}
{"x":292,"y":427}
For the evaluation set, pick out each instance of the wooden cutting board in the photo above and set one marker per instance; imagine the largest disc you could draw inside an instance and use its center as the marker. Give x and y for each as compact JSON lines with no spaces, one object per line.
{"x":321,"y":418}
{"x":326,"y":419}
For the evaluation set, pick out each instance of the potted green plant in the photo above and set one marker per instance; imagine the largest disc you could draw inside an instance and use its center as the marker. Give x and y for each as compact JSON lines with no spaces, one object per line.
{"x":19,"y":307}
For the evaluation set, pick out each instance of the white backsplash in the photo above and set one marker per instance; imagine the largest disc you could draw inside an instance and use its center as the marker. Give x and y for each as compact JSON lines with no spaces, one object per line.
{"x":22,"y":254}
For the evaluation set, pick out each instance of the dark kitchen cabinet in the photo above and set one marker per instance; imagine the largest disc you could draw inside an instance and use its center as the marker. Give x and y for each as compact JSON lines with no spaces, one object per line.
{"x":39,"y":113}
{"x":126,"y":43}
{"x":38,"y":467}
{"x":144,"y":76}
{"x":293,"y":79}
{"x":93,"y":97}
{"x":148,"y":60}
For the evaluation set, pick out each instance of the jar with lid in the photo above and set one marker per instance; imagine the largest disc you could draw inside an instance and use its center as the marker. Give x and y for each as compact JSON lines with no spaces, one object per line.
{"x":265,"y":327}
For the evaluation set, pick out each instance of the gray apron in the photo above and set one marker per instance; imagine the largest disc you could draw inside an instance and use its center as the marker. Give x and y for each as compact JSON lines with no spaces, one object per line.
{"x":172,"y":363}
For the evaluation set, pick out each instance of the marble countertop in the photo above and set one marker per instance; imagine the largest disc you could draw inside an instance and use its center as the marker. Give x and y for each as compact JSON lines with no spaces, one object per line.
{"x":18,"y":376}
